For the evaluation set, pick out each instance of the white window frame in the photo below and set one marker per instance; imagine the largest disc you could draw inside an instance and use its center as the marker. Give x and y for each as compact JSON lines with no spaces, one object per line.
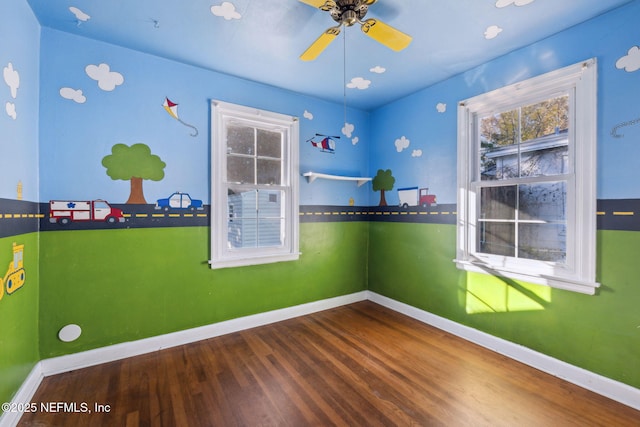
{"x":578,"y":271}
{"x":221,"y":255}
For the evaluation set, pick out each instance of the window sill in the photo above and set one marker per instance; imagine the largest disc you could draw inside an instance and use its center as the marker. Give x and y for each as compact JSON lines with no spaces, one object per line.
{"x":558,"y":282}
{"x":243,"y":262}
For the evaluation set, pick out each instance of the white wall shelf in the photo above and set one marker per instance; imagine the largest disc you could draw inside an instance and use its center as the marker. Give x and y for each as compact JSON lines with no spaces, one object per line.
{"x":312,"y":176}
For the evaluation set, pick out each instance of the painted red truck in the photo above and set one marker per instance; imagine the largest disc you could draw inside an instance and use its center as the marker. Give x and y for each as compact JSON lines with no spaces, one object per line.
{"x":65,"y":211}
{"x":414,"y":196}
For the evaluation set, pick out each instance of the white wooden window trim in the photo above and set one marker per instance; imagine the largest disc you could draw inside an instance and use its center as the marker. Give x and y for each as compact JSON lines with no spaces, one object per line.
{"x":221,"y":255}
{"x":579,"y":271}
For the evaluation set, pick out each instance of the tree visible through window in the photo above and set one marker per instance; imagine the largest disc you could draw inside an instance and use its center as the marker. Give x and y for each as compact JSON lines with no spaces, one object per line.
{"x":526,"y":176}
{"x":526,"y":220}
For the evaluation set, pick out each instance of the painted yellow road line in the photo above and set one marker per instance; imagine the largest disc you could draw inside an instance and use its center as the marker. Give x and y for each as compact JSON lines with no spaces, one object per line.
{"x":201,"y":215}
{"x":142,"y":215}
{"x":624,"y":213}
{"x":601,"y":213}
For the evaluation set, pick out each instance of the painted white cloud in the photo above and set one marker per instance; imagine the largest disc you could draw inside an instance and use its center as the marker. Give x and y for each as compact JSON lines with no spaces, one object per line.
{"x":355,"y":140}
{"x":631,"y":61}
{"x":226,"y":10}
{"x":12,"y":79}
{"x":402,"y":143}
{"x":73,"y":94}
{"x":441,"y":107}
{"x":492,"y":32}
{"x":359,"y":83}
{"x":378,"y":69}
{"x":505,"y":3}
{"x":107,"y":79}
{"x":80,"y":15}
{"x":347,"y":129}
{"x":416,"y":153}
{"x":307,"y":115}
{"x":10,"y":107}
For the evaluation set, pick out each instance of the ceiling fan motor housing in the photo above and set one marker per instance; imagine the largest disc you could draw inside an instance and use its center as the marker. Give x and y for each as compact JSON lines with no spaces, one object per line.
{"x":348,"y":12}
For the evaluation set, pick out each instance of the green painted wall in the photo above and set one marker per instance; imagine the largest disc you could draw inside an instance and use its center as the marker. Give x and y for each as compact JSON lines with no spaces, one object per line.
{"x":123,"y":285}
{"x":18,"y":317}
{"x":412,"y":263}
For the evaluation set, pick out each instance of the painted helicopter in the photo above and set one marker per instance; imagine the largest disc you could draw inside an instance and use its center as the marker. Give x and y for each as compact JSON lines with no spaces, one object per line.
{"x":326,"y":144}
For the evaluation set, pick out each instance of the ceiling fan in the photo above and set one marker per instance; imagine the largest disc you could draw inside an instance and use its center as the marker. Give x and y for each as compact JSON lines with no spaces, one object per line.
{"x":348,"y":13}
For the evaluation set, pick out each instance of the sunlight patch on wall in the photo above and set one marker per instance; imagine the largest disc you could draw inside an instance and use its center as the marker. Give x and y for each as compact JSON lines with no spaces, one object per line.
{"x":492,"y":294}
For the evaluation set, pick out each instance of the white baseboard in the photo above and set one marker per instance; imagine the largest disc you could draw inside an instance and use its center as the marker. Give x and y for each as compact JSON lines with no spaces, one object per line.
{"x":97,"y":356}
{"x":604,"y":386}
{"x":615,"y":390}
{"x":24,"y":395}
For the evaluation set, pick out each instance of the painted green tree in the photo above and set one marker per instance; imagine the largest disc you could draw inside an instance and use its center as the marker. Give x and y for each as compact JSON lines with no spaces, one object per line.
{"x":383,"y":181}
{"x":134,"y":164}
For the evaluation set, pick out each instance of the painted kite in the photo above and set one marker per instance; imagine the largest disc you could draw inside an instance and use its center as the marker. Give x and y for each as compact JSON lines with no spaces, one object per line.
{"x":172,"y":109}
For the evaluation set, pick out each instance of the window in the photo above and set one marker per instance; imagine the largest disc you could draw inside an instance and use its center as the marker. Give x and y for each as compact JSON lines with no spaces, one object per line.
{"x":526,"y":180}
{"x":254,"y":182}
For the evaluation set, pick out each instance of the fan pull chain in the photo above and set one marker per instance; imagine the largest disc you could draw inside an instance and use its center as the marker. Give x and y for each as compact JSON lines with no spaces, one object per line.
{"x":344,"y":75}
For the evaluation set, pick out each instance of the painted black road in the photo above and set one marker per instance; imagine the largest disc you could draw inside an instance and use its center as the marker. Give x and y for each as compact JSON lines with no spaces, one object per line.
{"x":21,"y":217}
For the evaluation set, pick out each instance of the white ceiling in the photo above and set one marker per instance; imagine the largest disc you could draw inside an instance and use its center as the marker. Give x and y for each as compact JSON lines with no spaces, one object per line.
{"x":261,"y":40}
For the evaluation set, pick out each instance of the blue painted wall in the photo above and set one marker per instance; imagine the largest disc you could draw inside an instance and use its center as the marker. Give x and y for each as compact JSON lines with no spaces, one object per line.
{"x":76,"y":136}
{"x":19,"y":88}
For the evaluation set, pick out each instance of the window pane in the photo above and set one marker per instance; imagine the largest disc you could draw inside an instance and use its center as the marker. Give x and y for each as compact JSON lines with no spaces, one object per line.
{"x":255,"y":219}
{"x":549,"y":117}
{"x":545,"y":201}
{"x":269,"y":144}
{"x":552,"y":160}
{"x":269,"y":204}
{"x":240,"y":139}
{"x":242,"y":221}
{"x":496,"y":238}
{"x":241,"y":170}
{"x":498,"y":202}
{"x":528,"y":141}
{"x":498,"y":137}
{"x":270,"y":232}
{"x":269,"y":171}
{"x":543,"y":242}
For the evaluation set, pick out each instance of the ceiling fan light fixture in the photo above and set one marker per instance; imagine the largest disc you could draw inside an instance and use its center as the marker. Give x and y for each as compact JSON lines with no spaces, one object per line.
{"x":347,"y":13}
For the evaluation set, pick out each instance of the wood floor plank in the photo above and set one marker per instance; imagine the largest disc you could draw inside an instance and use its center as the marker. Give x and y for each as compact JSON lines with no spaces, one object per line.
{"x":357,"y":365}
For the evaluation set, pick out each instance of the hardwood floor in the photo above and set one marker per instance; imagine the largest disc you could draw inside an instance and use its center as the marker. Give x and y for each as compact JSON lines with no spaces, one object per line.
{"x":358,"y":365}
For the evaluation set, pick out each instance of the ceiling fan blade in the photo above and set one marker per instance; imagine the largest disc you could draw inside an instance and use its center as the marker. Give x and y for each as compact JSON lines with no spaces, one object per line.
{"x":321,"y":43}
{"x":320,"y":4}
{"x":386,"y":34}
